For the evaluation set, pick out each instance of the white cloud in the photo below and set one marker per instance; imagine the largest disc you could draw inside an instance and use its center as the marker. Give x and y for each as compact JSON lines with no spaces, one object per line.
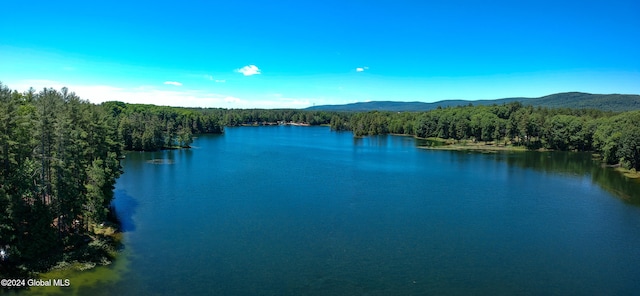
{"x":208,"y":77}
{"x":150,"y":94}
{"x":173,"y":83}
{"x":220,"y":80}
{"x":249,"y":70}
{"x":234,"y":100}
{"x":362,"y":69}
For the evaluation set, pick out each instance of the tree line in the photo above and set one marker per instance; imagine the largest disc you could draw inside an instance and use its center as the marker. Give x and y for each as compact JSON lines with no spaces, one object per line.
{"x":149,"y":127}
{"x":616,"y":136}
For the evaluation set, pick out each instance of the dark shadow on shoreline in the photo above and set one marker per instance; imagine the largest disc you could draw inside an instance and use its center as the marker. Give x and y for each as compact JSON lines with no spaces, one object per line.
{"x":574,"y":164}
{"x":122,"y":209}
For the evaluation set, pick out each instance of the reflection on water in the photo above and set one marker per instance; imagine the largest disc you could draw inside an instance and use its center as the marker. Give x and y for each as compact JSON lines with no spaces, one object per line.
{"x":160,"y":161}
{"x":124,"y":206}
{"x":578,"y":164}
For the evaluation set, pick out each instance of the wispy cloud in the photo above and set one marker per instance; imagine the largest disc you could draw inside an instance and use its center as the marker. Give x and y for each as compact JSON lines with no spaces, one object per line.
{"x":249,"y":70}
{"x":211,"y":78}
{"x":362,"y":69}
{"x":234,"y":100}
{"x":173,"y":83}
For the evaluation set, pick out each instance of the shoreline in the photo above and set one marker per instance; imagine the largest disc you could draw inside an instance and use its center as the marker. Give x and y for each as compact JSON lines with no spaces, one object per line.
{"x":479,"y":147}
{"x":466,"y":145}
{"x":100,"y":249}
{"x":276,"y":123}
{"x":631,"y":174}
{"x":444,"y":144}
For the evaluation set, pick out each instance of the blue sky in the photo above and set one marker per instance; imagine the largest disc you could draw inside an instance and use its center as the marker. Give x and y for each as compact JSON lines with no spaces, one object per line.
{"x":273,"y":54}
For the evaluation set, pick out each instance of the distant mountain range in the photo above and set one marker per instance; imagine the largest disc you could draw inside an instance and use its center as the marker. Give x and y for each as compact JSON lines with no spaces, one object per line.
{"x":576,"y":100}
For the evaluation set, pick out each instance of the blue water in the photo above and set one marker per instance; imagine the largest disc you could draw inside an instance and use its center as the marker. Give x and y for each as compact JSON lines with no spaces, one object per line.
{"x":306,"y":211}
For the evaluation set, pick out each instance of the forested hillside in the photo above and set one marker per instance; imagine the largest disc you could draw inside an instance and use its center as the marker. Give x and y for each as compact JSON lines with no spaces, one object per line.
{"x":615,"y":135}
{"x":578,"y":100}
{"x":573,"y":100}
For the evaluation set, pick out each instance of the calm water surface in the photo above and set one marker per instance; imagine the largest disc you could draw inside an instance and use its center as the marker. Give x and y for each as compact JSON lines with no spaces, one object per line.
{"x":306,"y":211}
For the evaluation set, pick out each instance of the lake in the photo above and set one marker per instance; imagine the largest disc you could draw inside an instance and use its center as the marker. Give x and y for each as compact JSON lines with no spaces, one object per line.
{"x":291,"y":210}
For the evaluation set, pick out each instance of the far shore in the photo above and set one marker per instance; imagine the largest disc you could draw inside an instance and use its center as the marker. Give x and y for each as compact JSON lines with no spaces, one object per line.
{"x":494,"y":147}
{"x":269,"y":123}
{"x":470,"y":145}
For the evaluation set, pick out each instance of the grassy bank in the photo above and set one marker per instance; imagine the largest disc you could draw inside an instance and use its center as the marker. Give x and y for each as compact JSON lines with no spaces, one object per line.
{"x":632,"y":173}
{"x":493,"y":146}
{"x":448,"y":144}
{"x":96,"y":249}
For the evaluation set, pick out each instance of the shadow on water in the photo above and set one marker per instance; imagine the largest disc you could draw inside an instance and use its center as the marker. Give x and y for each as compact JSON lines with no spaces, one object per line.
{"x":375,"y":141}
{"x":421,"y":142}
{"x":100,"y":279}
{"x":123,"y":208}
{"x":576,"y":164}
{"x":617,"y":184}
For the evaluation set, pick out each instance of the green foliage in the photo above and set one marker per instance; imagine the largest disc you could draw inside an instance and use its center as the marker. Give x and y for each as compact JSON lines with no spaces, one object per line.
{"x":629,"y":151}
{"x":611,"y":132}
{"x":339,"y":122}
{"x":612,"y":135}
{"x":565,"y":132}
{"x":149,"y":127}
{"x":58,"y":163}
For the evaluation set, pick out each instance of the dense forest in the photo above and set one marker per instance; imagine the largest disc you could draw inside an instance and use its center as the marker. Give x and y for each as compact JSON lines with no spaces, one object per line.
{"x":615,"y":135}
{"x":59,"y":154}
{"x":58,"y":164}
{"x":150,"y":127}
